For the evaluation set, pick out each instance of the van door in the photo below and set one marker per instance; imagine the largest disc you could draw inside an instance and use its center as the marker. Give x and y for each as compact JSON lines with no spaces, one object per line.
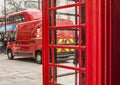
{"x":24,"y":43}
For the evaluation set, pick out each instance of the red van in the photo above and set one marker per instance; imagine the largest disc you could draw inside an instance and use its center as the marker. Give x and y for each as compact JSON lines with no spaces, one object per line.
{"x":26,"y":40}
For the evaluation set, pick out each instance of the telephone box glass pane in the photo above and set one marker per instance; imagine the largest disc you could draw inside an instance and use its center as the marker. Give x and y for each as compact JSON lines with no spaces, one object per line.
{"x":50,"y":18}
{"x":83,"y":36}
{"x":66,"y":36}
{"x":67,"y":57}
{"x":50,"y":36}
{"x":83,"y":14}
{"x":67,"y":16}
{"x":83,"y":78}
{"x":67,"y":76}
{"x":65,"y":2}
{"x":83,"y":56}
{"x":82,"y":0}
{"x":56,"y":3}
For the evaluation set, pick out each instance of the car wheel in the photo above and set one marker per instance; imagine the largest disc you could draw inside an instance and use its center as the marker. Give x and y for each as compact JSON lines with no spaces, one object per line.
{"x":38,"y":57}
{"x":10,"y":55}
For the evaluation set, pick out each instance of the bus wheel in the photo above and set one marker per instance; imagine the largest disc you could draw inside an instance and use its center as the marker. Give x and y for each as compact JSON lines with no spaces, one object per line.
{"x":10,"y":55}
{"x":38,"y":57}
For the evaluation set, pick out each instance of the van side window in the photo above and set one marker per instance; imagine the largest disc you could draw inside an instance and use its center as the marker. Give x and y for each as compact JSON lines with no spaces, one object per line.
{"x":15,"y":35}
{"x":12,"y":36}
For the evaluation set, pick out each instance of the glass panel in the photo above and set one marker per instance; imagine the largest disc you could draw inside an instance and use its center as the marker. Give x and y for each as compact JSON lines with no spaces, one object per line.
{"x":1,"y":21}
{"x":50,"y":70}
{"x":83,"y":14}
{"x":50,"y":36}
{"x":52,"y":3}
{"x":11,"y":20}
{"x":22,"y":17}
{"x":53,"y":73}
{"x":67,"y":77}
{"x":15,"y":35}
{"x":83,"y":54}
{"x":83,"y":36}
{"x":66,"y":57}
{"x":65,"y":2}
{"x":67,"y":16}
{"x":17,"y":19}
{"x":82,"y":0}
{"x":1,"y":36}
{"x":83,"y":78}
{"x":50,"y":18}
{"x":11,"y":36}
{"x":66,"y":36}
{"x":50,"y":53}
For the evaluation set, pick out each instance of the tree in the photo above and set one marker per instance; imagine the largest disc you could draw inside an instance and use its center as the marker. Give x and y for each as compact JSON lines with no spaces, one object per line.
{"x":19,"y":5}
{"x":13,"y":6}
{"x":16,"y":5}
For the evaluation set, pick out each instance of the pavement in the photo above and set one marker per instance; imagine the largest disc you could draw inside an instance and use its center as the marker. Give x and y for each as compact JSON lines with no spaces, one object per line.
{"x":25,"y":71}
{"x":20,"y":71}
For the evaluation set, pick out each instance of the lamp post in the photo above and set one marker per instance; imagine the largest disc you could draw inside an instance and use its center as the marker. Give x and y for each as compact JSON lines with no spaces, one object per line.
{"x":5,"y":16}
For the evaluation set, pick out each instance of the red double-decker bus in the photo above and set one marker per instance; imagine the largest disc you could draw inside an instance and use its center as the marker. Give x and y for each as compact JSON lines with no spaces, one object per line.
{"x":22,"y":16}
{"x":14,"y":19}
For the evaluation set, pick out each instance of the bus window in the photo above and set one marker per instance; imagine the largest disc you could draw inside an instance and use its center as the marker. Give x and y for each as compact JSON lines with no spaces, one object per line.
{"x":19,"y":18}
{"x":22,"y":17}
{"x":7,"y":20}
{"x":1,"y":21}
{"x":11,"y":19}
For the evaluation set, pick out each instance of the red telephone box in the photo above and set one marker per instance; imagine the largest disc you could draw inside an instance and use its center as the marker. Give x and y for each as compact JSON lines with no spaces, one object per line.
{"x":93,"y":32}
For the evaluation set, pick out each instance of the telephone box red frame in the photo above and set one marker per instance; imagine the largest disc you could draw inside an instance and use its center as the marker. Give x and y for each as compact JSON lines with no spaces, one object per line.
{"x":100,"y":24}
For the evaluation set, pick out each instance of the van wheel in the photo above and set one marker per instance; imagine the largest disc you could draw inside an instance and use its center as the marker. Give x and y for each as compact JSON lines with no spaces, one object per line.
{"x":10,"y":55}
{"x":38,"y":57}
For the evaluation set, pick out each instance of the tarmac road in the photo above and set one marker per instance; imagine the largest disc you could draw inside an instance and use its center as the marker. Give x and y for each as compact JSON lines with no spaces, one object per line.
{"x":21,"y":71}
{"x":25,"y":71}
